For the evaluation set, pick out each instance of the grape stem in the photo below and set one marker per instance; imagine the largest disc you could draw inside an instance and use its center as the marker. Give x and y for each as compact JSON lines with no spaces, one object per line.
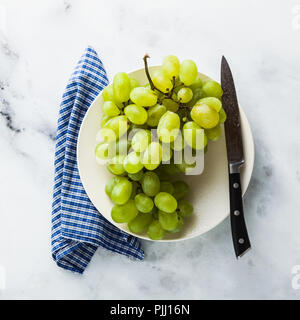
{"x":184,"y":106}
{"x":146,"y":56}
{"x":168,"y":94}
{"x":171,"y":92}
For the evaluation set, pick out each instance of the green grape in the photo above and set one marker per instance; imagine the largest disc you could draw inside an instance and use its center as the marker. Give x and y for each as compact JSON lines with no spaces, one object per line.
{"x":115,"y":165}
{"x":104,"y":119}
{"x":162,"y":82}
{"x":168,"y":221}
{"x":197,"y":84}
{"x":136,"y":176}
{"x":154,"y":213}
{"x":186,"y":167}
{"x":185,"y":209}
{"x":178,"y":143}
{"x":134,"y":83}
{"x":170,"y":105}
{"x":121,"y":86}
{"x":167,"y":152}
{"x":170,"y":169}
{"x":175,"y":91}
{"x":212,"y":89}
{"x":103,"y":151}
{"x":182,"y":113}
{"x":132,"y":163}
{"x":131,"y":133}
{"x":143,"y":203}
{"x":125,"y":212}
{"x":136,"y":114}
{"x":155,"y":230}
{"x":114,"y":128}
{"x":150,"y":184}
{"x":212,"y":102}
{"x":181,"y":189}
{"x":166,"y":186}
{"x":213,"y":134}
{"x":141,"y":140}
{"x":160,"y":95}
{"x":134,"y":189}
{"x":140,"y":223}
{"x":185,"y":95}
{"x":161,"y":173}
{"x":188,"y":72}
{"x":179,"y":224}
{"x":121,"y":192}
{"x":143,"y":97}
{"x":154,"y":114}
{"x":165,"y":202}
{"x":171,"y":66}
{"x":205,"y":116}
{"x":110,"y":109}
{"x":152,"y":156}
{"x":122,"y":146}
{"x":111,"y":183}
{"x":109,"y":186}
{"x":174,"y":97}
{"x":136,"y":127}
{"x":168,"y":127}
{"x":197,"y":94}
{"x":108,"y":93}
{"x":178,"y":83}
{"x":194,"y":135}
{"x":222,"y":116}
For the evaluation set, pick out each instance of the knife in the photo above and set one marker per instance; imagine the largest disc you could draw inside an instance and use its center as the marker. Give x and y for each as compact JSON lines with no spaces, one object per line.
{"x":235,"y":156}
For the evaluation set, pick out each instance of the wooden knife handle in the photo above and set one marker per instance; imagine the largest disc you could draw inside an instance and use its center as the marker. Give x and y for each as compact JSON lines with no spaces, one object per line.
{"x":240,"y":237}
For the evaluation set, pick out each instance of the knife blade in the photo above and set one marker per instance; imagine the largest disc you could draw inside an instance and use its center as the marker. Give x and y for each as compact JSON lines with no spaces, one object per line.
{"x":235,"y":156}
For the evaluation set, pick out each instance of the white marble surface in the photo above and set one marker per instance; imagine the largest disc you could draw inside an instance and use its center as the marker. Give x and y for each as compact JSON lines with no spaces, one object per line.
{"x":40,"y":42}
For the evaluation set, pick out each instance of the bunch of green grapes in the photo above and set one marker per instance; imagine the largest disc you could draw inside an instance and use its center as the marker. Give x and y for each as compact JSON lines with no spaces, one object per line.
{"x":186,"y":111}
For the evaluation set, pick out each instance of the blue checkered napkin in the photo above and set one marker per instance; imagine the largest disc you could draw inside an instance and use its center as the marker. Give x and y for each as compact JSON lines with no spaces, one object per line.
{"x":77,"y":227}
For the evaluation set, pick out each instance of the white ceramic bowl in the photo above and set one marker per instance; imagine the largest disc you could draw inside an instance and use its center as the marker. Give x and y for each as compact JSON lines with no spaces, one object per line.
{"x":209,"y":191}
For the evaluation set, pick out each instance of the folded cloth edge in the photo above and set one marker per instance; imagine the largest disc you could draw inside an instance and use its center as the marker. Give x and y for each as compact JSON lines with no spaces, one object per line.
{"x":73,"y":250}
